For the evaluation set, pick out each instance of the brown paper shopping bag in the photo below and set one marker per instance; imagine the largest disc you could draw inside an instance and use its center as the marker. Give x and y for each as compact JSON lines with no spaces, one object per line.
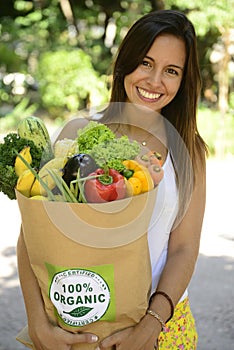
{"x":91,"y":261}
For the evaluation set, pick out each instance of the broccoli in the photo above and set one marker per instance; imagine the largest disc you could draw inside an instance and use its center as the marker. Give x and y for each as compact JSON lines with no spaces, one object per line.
{"x":113,"y":152}
{"x":8,"y":180}
{"x":13,"y":143}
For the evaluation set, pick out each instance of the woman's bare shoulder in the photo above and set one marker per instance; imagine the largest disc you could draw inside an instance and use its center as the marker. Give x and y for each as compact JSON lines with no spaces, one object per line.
{"x":69,"y":130}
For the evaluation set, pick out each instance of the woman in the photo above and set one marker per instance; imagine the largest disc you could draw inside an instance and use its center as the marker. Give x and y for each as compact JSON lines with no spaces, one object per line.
{"x":156,"y":72}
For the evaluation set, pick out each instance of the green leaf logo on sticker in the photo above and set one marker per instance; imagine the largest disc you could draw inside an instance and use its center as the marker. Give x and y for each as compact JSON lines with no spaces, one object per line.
{"x":79,"y":311}
{"x":80,"y":296}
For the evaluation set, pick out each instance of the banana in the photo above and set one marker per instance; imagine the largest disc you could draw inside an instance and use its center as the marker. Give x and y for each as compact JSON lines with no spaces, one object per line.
{"x":37,"y":189}
{"x":55,"y":164}
{"x":20,"y":167}
{"x":41,"y":198}
{"x":25,"y":182}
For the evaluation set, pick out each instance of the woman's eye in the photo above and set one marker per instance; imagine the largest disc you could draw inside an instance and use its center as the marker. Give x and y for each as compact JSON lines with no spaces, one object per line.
{"x":172,"y":71}
{"x":146,"y":64}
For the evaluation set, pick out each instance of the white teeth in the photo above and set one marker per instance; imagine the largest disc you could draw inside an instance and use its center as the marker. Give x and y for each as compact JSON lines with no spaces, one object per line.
{"x":148,"y":95}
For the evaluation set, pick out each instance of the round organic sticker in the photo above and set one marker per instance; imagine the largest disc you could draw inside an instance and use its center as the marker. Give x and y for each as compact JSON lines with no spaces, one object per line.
{"x":79,"y":296}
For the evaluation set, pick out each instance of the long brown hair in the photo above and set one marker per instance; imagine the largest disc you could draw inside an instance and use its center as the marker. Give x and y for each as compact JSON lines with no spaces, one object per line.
{"x":181,"y":112}
{"x":188,"y":150}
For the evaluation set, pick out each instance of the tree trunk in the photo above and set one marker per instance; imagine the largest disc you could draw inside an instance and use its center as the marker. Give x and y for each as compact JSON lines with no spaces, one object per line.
{"x":68,"y":13}
{"x":223,"y":79}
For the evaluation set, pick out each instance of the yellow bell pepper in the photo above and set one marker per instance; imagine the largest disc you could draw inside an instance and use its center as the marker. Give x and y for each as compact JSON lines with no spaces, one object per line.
{"x":139,"y":179}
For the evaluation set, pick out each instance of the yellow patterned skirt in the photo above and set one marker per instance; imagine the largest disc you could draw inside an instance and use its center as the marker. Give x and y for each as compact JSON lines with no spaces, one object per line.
{"x":180,"y":333}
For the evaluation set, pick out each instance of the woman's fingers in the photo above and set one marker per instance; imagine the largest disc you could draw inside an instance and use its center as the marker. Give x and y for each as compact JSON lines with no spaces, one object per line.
{"x":55,"y":338}
{"x":114,"y":339}
{"x":81,"y":338}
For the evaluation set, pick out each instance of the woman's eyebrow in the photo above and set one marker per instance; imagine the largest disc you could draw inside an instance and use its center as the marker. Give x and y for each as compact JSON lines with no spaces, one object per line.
{"x":176,"y":66}
{"x":149,"y":58}
{"x":169,"y":65}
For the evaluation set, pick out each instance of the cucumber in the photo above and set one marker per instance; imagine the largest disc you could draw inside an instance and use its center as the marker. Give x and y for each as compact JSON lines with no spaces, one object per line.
{"x":34,"y":129}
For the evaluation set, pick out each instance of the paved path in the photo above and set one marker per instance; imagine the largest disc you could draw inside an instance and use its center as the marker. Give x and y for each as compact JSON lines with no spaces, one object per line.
{"x":211,"y":289}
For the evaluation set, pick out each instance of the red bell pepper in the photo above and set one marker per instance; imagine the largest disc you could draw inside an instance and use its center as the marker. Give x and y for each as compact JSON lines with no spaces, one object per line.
{"x":106,"y":187}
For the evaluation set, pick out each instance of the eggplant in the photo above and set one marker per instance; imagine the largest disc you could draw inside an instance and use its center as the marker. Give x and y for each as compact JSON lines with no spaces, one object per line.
{"x":81,"y":161}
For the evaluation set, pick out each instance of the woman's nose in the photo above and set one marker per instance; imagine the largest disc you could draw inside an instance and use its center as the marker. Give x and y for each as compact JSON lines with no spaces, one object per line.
{"x":155,"y":78}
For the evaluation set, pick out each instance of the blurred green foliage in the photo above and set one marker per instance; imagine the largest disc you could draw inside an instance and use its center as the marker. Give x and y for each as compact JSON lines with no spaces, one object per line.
{"x":61,"y":51}
{"x":56,"y":56}
{"x":12,"y":117}
{"x":68,"y":81}
{"x":217,"y":131}
{"x":12,"y":61}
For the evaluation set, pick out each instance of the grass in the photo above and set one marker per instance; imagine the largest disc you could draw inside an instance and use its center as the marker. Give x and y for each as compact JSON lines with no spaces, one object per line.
{"x":217,"y":131}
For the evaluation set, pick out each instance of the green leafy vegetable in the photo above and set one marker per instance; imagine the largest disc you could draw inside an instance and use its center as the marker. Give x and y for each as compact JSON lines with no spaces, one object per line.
{"x":101,"y":143}
{"x":113,"y":152}
{"x":93,"y":134}
{"x":12,"y":144}
{"x":8,"y":180}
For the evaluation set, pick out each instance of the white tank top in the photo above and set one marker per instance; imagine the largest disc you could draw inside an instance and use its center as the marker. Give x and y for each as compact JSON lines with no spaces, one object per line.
{"x":164,"y":215}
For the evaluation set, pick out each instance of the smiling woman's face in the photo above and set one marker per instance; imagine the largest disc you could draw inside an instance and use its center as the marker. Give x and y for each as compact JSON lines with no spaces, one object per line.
{"x":156,"y":81}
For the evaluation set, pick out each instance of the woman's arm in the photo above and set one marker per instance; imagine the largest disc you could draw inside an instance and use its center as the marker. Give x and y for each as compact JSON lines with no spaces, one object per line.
{"x":182,"y":256}
{"x":44,"y":335}
{"x":183,"y":250}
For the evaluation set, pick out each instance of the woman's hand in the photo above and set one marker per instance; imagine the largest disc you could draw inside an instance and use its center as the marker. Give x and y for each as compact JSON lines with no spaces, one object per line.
{"x":50,"y":337}
{"x":44,"y":335}
{"x":143,"y":336}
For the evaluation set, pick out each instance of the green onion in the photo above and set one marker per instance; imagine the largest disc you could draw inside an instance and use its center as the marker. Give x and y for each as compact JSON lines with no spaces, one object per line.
{"x":67,"y":194}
